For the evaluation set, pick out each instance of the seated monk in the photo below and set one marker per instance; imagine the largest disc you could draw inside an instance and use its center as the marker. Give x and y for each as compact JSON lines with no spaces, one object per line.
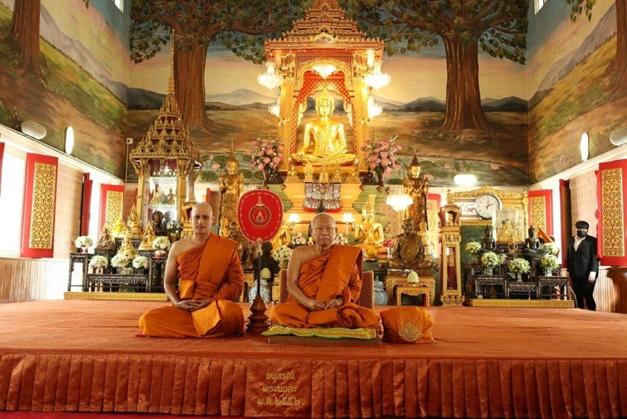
{"x":324,"y":282}
{"x":210,"y":274}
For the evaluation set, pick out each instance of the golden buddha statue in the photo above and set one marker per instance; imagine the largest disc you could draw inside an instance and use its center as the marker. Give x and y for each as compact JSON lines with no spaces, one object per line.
{"x":105,"y":242}
{"x":134,"y":224}
{"x":118,"y":228}
{"x":283,"y":237}
{"x":126,"y":247}
{"x":417,"y":187}
{"x":149,"y":237}
{"x":157,"y":196}
{"x":169,"y":199}
{"x":231,"y":183}
{"x":326,"y":134}
{"x":369,"y":233}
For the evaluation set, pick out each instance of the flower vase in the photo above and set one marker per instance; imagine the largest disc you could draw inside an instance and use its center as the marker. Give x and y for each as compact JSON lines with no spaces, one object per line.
{"x":518,"y":276}
{"x":99,"y":270}
{"x":548,"y":272}
{"x":283,"y":263}
{"x":379,"y":180}
{"x":489,"y":270}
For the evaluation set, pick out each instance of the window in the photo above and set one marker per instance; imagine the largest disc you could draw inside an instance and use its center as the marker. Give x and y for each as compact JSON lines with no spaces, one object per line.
{"x":11,"y":202}
{"x":120,"y":4}
{"x":539,"y":4}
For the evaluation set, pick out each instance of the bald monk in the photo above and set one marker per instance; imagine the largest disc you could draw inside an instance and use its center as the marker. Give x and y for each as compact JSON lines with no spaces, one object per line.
{"x":209,"y":273}
{"x":324,"y":282}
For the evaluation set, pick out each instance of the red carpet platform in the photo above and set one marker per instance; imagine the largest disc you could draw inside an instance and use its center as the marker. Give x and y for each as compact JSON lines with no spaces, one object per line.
{"x":83,"y":356}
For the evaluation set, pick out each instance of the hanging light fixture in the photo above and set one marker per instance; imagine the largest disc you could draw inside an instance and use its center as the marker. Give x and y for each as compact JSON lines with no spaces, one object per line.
{"x":374,"y":109}
{"x":399,"y":201}
{"x":275,"y":109}
{"x":377,"y":79}
{"x":324,"y":69}
{"x":464,"y":179}
{"x":270,"y":79}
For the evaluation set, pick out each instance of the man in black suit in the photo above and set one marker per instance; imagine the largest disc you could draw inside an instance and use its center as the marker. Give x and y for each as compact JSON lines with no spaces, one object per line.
{"x":583,"y":265}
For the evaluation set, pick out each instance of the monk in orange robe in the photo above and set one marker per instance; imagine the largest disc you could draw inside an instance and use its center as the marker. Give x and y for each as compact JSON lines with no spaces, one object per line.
{"x":210,"y":279}
{"x":324,"y":282}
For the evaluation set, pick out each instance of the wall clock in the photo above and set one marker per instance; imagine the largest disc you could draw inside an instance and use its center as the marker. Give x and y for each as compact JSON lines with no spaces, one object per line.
{"x":486,"y":205}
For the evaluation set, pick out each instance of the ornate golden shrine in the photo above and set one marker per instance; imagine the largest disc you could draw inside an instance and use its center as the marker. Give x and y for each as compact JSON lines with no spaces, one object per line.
{"x":166,"y":152}
{"x":324,"y":37}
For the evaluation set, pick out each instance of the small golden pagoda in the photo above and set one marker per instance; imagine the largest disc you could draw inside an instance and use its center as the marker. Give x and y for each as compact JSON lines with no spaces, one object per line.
{"x":166,"y":152}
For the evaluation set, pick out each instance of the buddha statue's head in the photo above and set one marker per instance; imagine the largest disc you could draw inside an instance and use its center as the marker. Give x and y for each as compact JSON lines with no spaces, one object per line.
{"x":325,"y":103}
{"x":232,"y":165}
{"x":414,"y":168}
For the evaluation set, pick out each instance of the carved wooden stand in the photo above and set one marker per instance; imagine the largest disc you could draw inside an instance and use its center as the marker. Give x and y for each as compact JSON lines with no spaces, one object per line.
{"x":257,"y":321}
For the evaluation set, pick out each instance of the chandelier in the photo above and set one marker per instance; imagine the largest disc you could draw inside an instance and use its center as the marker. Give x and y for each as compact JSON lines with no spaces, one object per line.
{"x":324,"y":69}
{"x":374,"y":109}
{"x":270,"y":79}
{"x":399,"y":201}
{"x":377,"y":79}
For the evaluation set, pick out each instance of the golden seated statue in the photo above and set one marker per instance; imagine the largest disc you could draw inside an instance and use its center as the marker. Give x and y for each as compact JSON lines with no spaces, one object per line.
{"x":369,"y":233}
{"x":326,"y":134}
{"x":149,"y":237}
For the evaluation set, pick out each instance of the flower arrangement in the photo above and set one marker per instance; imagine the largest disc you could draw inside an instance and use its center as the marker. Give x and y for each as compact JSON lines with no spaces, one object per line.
{"x":519,"y":265}
{"x":82,"y":242}
{"x":161,"y":243}
{"x":473,"y":247}
{"x":282,"y":253}
{"x":140,"y":262}
{"x":341,"y":239}
{"x":549,"y":261}
{"x":98,"y":262}
{"x":298,"y":240}
{"x":490,"y":260}
{"x":550,"y":248}
{"x":381,"y":157}
{"x":120,"y":261}
{"x":266,"y":154}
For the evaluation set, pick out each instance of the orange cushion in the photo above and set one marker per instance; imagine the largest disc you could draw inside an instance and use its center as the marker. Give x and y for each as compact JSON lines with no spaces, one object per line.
{"x":407,"y":325}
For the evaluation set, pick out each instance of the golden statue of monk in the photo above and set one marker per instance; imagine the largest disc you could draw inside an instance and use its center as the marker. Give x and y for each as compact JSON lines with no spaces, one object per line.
{"x":326,"y":134}
{"x":231,"y":186}
{"x":210,"y":277}
{"x":324,"y":282}
{"x":416,"y":186}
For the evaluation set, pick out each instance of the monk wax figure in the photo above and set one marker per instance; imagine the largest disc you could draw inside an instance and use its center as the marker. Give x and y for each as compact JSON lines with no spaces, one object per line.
{"x":324,"y":282}
{"x":210,"y":277}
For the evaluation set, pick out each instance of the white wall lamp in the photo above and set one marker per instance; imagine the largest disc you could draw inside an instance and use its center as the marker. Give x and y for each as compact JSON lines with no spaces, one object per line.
{"x":69,"y":140}
{"x":465,"y":179}
{"x":584,"y":146}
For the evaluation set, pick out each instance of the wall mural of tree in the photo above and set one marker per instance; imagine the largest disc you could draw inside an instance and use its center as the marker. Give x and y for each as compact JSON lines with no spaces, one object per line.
{"x":619,"y":76}
{"x":498,"y":27}
{"x":25,"y":33}
{"x":235,"y":24}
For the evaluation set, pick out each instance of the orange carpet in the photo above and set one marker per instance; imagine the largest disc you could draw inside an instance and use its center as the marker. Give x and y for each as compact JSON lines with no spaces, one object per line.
{"x":83,"y":356}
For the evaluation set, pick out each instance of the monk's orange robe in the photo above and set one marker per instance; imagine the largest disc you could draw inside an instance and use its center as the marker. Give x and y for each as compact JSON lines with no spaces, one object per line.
{"x":334,"y":274}
{"x":213,"y":272}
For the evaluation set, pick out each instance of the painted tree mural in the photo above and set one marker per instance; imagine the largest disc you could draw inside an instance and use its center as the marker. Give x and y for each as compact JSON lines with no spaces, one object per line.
{"x":25,"y":33}
{"x":235,"y":24}
{"x":498,"y":27}
{"x":577,"y":7}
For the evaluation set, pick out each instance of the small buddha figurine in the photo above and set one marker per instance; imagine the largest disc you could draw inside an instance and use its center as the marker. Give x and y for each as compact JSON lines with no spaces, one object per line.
{"x":309,"y":172}
{"x":417,"y":187}
{"x":170,"y":198}
{"x":157,"y":196}
{"x":487,"y":242}
{"x":231,"y":184}
{"x":118,"y":228}
{"x":157,"y":223}
{"x":283,"y":237}
{"x":149,"y":237}
{"x":126,"y":247}
{"x":532,"y":242}
{"x":324,"y":175}
{"x":369,"y":233}
{"x":134,"y":225}
{"x":105,"y":242}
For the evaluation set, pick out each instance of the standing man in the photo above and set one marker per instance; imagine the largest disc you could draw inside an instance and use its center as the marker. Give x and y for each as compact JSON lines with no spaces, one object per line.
{"x":583,"y":265}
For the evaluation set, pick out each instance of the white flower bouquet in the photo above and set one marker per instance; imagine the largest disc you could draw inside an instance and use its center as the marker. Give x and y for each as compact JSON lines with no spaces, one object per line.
{"x":140,"y":262}
{"x":473,"y":247}
{"x":282,"y":253}
{"x":82,"y":242}
{"x":98,"y":262}
{"x":549,"y":262}
{"x":519,"y":265}
{"x":298,"y":240}
{"x":161,"y":243}
{"x":490,"y":260}
{"x":341,"y":239}
{"x":120,"y":261}
{"x":550,"y":248}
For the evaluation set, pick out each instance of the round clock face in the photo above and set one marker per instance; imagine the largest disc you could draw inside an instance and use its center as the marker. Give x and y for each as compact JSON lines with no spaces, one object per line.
{"x":487,"y":205}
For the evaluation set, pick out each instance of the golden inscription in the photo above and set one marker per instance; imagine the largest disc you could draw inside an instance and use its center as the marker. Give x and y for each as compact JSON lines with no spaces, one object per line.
{"x":42,"y":212}
{"x":113,"y":209}
{"x":279,"y":394}
{"x":537,"y":205}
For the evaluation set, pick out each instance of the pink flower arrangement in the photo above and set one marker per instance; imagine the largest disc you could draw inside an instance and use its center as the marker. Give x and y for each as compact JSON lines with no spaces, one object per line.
{"x":266,"y":154}
{"x":381,"y":156}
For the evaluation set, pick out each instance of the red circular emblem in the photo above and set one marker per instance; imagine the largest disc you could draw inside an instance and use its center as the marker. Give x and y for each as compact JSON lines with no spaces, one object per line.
{"x":260,"y":214}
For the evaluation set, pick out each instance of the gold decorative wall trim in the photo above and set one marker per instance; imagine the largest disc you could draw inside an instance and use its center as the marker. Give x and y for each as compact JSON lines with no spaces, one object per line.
{"x":113,"y":209}
{"x":42,"y":211}
{"x":537,"y":206}
{"x":612,"y":210}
